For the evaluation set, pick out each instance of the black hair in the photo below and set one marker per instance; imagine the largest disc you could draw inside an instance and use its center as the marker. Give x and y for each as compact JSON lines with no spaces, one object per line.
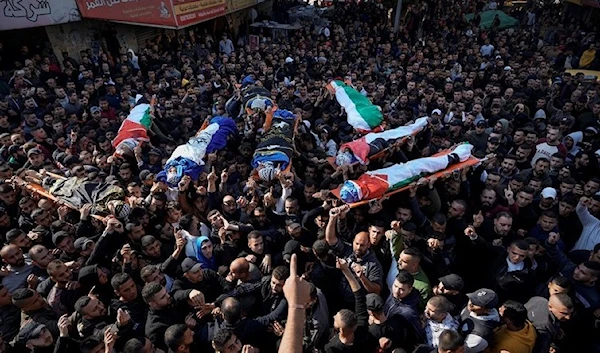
{"x":221,"y":338}
{"x":521,"y":244}
{"x":134,"y":345}
{"x":149,"y":290}
{"x":515,"y":312}
{"x":119,"y":279}
{"x":450,"y":340}
{"x":404,"y":277}
{"x":281,"y":273}
{"x":174,"y":335}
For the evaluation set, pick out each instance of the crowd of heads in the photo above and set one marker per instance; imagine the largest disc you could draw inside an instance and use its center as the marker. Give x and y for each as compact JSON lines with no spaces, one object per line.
{"x":503,"y":255}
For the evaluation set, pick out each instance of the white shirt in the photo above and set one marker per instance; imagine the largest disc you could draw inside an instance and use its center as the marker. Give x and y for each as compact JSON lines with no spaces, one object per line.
{"x":590,"y":235}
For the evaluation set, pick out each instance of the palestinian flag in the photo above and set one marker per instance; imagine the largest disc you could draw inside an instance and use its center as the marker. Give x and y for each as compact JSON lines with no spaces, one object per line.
{"x":375,"y":184}
{"x":363,"y":115}
{"x":361,"y":148}
{"x":137,"y":124}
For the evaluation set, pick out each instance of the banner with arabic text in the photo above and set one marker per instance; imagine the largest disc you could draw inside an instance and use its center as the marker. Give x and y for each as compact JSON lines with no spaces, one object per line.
{"x":236,"y":5}
{"x":167,"y":13}
{"x":190,"y":12}
{"x":16,"y":14}
{"x":151,"y":12}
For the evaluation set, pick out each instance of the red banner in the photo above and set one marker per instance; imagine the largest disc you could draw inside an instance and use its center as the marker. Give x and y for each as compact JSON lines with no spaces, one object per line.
{"x":168,"y":13}
{"x":152,"y":12}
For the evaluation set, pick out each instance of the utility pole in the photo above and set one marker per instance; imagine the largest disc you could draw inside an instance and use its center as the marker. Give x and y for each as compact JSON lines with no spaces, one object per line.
{"x":398,"y":16}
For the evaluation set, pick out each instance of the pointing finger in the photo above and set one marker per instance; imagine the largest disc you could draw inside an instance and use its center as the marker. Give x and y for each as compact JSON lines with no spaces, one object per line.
{"x":293,"y":266}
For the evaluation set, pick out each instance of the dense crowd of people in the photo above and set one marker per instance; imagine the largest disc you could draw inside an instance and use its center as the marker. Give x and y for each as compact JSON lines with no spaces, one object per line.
{"x":503,"y":256}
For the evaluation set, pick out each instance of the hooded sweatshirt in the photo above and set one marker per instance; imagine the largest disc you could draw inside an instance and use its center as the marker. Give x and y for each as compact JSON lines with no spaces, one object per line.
{"x":577,"y":137}
{"x":521,"y":341}
{"x":478,"y":330}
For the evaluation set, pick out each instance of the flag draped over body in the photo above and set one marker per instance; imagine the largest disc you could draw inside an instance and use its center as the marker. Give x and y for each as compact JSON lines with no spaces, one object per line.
{"x":363,"y":115}
{"x":275,"y":148}
{"x":135,"y":127}
{"x":187,"y":159}
{"x":374,"y":184}
{"x":360,"y":150}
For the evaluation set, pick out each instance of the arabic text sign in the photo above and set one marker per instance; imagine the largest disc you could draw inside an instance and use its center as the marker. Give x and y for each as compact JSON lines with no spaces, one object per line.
{"x":190,"y":12}
{"x":156,"y":12}
{"x":235,"y":5}
{"x":33,"y":13}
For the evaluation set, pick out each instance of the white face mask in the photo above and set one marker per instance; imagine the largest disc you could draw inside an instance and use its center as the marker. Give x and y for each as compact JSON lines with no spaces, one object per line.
{"x":172,"y":177}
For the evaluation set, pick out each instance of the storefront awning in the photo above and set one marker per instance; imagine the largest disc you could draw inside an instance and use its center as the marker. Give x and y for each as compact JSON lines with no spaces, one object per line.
{"x":159,"y":13}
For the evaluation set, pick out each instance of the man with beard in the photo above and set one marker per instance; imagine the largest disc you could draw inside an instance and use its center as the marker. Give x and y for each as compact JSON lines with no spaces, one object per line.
{"x":196,"y":278}
{"x":34,"y":307}
{"x":380,"y":245}
{"x":499,"y":228}
{"x":17,"y":268}
{"x":451,"y":287}
{"x":151,"y":250}
{"x":489,"y":206}
{"x":508,"y":169}
{"x":65,"y":292}
{"x":162,"y":314}
{"x":362,"y":260}
{"x":539,"y":170}
{"x":264,"y":298}
{"x":94,"y":319}
{"x":522,"y":208}
{"x":258,"y":253}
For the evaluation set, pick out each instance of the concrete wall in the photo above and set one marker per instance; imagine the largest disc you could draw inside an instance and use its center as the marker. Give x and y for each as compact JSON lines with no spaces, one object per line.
{"x":73,"y":37}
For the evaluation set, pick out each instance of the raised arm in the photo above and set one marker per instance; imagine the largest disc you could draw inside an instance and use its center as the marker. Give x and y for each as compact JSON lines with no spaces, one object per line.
{"x":297,"y":293}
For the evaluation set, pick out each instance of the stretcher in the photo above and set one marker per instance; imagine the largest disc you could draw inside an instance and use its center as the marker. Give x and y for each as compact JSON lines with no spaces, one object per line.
{"x":37,"y":189}
{"x":442,"y":173}
{"x":266,"y":127}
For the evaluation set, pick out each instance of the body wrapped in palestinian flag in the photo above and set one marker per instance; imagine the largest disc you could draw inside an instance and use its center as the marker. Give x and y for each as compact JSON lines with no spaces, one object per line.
{"x":363,"y":115}
{"x":276,"y":147}
{"x":187,"y":159}
{"x":375,"y":184}
{"x":372,"y":143}
{"x":135,"y":128}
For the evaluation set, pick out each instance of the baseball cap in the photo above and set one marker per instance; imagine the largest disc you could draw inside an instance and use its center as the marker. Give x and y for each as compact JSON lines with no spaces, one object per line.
{"x":58,"y":236}
{"x":95,"y":109}
{"x":374,"y":302}
{"x":190,"y":264}
{"x":289,"y":60}
{"x":452,"y":282}
{"x":549,"y":193}
{"x":82,"y":243}
{"x":33,"y":151}
{"x":494,"y":139}
{"x":436,"y":111}
{"x":156,"y":151}
{"x":69,"y":161}
{"x":484,"y":297}
{"x":456,"y":122}
{"x":481,"y":123}
{"x":145,"y":174}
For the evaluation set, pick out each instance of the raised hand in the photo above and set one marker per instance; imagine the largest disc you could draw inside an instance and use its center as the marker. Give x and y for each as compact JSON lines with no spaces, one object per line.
{"x":478,"y":219}
{"x":296,"y":289}
{"x":553,"y":238}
